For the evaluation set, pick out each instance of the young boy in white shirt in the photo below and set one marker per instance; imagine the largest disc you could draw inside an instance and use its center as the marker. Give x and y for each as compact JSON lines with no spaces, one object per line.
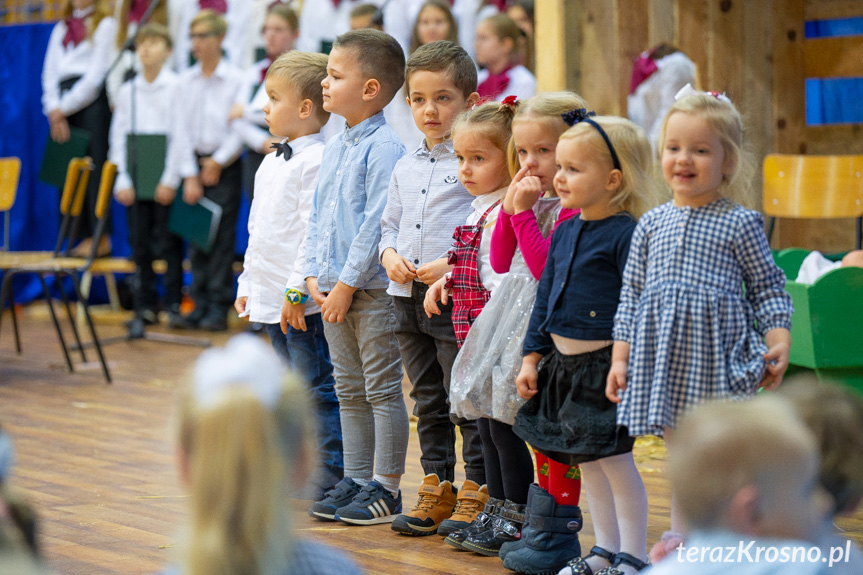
{"x":278,"y":219}
{"x":149,"y":112}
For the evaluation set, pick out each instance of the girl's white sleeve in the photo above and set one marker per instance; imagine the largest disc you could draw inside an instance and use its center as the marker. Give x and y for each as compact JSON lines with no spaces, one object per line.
{"x":120,"y":127}
{"x":50,"y":69}
{"x":87,"y":89}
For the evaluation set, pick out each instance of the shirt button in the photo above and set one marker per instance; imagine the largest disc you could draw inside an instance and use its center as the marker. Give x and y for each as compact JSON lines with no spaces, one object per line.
{"x":593,"y":314}
{"x":433,"y":160}
{"x":327,"y":234}
{"x":418,"y":226}
{"x":338,"y":172}
{"x":416,"y":261}
{"x":347,"y":144}
{"x":356,"y":140}
{"x":423,"y":192}
{"x":332,"y":204}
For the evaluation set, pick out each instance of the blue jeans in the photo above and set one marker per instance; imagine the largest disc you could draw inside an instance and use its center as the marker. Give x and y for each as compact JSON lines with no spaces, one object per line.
{"x":368,"y":372}
{"x":307,"y":353}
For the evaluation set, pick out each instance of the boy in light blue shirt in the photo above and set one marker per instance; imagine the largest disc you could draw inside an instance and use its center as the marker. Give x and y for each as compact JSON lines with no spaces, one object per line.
{"x":344,"y":276}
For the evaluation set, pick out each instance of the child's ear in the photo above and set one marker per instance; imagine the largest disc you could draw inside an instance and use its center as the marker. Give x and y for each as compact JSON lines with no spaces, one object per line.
{"x":615,"y":178}
{"x":471,"y":101}
{"x":307,"y":107}
{"x":744,"y":510}
{"x":371,"y":89}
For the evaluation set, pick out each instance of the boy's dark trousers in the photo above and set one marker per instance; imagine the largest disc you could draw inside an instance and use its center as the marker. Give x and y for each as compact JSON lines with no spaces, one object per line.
{"x":428,"y":349}
{"x":212,"y":273}
{"x":151,"y":240}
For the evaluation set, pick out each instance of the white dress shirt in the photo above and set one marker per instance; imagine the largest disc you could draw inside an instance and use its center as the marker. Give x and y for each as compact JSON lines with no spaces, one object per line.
{"x":278,"y":219}
{"x":252,"y":127}
{"x":154,"y":113}
{"x":202,"y":120}
{"x":234,"y":44}
{"x":90,"y":60}
{"x":490,"y":279}
{"x":320,"y":22}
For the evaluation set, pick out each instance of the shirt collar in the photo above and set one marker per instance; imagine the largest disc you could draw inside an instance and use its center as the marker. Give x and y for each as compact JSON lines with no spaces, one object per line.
{"x":164,"y":75}
{"x":444,"y":147}
{"x":304,"y":142}
{"x":483,"y":202}
{"x":83,"y":12}
{"x":363,"y":129}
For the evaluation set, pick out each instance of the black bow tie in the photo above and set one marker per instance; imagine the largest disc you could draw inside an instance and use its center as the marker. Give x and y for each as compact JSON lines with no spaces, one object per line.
{"x":283,"y":148}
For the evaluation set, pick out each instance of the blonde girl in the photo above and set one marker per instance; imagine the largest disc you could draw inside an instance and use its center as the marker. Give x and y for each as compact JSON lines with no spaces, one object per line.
{"x":243,"y":445}
{"x":604,"y":166}
{"x":498,"y":46}
{"x":434,"y":22}
{"x":703,"y":311}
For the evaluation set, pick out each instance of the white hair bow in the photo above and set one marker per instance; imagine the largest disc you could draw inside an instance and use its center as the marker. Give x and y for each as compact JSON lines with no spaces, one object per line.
{"x":688,"y":90}
{"x":245,"y":361}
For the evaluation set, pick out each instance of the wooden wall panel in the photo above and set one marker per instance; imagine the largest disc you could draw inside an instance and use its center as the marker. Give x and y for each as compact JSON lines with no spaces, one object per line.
{"x":834,"y":57}
{"x":725,"y":21}
{"x":599,"y":59}
{"x":691,"y":33}
{"x":634,"y":30}
{"x":660,"y":22}
{"x":832,"y":9}
{"x":553,"y":52}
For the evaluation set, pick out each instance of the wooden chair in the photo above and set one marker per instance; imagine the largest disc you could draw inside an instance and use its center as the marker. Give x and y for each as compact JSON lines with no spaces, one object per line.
{"x":10,"y":169}
{"x":814,"y":187}
{"x":60,"y":265}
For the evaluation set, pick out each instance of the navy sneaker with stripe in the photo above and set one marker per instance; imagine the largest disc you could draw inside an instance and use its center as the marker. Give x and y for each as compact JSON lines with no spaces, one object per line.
{"x":371,"y":506}
{"x":339,"y":496}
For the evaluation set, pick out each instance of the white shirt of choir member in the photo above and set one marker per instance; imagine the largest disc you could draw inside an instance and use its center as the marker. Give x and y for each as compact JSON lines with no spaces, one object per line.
{"x":521,"y":83}
{"x":278,"y":221}
{"x":252,"y":127}
{"x":468,"y":14}
{"x":202,"y":117}
{"x":234,"y":44}
{"x":154,"y":109}
{"x":490,"y":279}
{"x":320,"y":22}
{"x":90,"y":60}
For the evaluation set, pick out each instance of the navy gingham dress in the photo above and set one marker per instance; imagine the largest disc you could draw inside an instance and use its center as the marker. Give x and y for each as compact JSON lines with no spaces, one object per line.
{"x":694,"y":334}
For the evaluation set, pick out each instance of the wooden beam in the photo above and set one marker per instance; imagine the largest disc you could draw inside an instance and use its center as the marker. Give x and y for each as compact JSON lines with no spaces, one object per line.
{"x":833,"y":9}
{"x":599,"y":59}
{"x":726,"y":49}
{"x":633,"y":32}
{"x":660,"y":21}
{"x":834,"y":57}
{"x":789,"y":94}
{"x":691,"y":33}
{"x":552,"y":45}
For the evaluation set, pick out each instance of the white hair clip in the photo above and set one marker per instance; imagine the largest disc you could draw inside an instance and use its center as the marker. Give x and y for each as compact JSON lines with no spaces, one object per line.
{"x":688,"y":90}
{"x":245,"y":361}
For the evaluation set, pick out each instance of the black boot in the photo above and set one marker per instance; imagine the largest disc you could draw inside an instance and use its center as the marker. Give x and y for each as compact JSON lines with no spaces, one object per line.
{"x":550,"y":539}
{"x":481,"y":523}
{"x":505,"y":527}
{"x":519,"y":543}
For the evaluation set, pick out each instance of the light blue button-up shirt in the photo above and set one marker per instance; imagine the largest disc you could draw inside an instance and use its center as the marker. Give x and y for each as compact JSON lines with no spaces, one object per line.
{"x":345,"y":222}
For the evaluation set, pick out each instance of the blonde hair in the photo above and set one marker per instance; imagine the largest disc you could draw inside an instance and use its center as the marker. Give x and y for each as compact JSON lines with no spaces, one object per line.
{"x":834,"y":414}
{"x":303,"y":73}
{"x":725,"y":121}
{"x":214,"y":21}
{"x":286,"y":13}
{"x":159,"y":16}
{"x":452,"y":34}
{"x":101,"y":10}
{"x":154,"y":30}
{"x":722,"y":447}
{"x":637,"y":191}
{"x":492,"y":119}
{"x":240,"y":454}
{"x":549,"y":108}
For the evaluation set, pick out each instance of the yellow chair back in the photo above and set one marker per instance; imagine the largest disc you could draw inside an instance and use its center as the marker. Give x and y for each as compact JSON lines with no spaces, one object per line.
{"x":812,"y":187}
{"x":10,"y":169}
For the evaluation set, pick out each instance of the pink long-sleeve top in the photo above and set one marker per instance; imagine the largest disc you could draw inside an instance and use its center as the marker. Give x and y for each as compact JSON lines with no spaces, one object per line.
{"x":521,"y":230}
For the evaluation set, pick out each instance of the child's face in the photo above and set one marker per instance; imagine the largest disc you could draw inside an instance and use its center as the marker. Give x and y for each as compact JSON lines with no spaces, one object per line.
{"x":153,"y":52}
{"x":206,"y":44}
{"x":344,"y":85}
{"x":535,"y":143}
{"x":279,"y":36}
{"x":432,"y":25}
{"x":481,"y":165}
{"x":489,"y":48}
{"x":693,"y":160}
{"x":435,"y":102}
{"x":283,"y":108}
{"x":583,"y":178}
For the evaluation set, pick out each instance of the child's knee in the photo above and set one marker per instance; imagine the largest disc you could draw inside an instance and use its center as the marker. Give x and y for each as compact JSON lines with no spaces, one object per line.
{"x":854,"y":259}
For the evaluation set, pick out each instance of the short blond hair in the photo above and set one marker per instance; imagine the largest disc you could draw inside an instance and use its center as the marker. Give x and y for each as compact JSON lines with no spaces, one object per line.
{"x":214,"y":21}
{"x":303,"y":72}
{"x":719,"y":448}
{"x":638,"y":187}
{"x":154,"y":30}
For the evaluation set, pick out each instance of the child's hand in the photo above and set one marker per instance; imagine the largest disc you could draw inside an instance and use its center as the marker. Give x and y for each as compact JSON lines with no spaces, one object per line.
{"x":509,"y":198}
{"x":433,"y":271}
{"x":399,"y":269}
{"x":314,"y":292}
{"x":60,"y":132}
{"x":527,"y":192}
{"x":293,"y":314}
{"x":211,"y":171}
{"x":240,"y":305}
{"x":192,"y":190}
{"x":165,"y":194}
{"x":436,"y":292}
{"x":125,"y":197}
{"x":337,"y":303}
{"x":526,"y":381}
{"x":236,"y":112}
{"x":616,"y":381}
{"x":778,"y":349}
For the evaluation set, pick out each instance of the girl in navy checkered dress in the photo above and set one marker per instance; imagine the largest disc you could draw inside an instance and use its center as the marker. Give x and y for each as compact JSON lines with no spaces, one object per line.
{"x":703,"y":312}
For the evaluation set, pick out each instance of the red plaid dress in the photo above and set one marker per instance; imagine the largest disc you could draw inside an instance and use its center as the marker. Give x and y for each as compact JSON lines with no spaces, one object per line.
{"x":468,"y":293}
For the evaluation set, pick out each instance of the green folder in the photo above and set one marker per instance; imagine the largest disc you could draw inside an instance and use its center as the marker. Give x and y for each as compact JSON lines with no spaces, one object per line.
{"x":149,"y":150}
{"x":196,"y":224}
{"x":56,"y":157}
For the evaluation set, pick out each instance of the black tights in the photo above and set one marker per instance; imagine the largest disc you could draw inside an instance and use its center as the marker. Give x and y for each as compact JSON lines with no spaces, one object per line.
{"x":508,"y":466}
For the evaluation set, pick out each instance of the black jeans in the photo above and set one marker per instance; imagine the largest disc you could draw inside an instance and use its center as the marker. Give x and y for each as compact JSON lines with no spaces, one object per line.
{"x":428,"y":349}
{"x":212,"y":273}
{"x":150,"y":239}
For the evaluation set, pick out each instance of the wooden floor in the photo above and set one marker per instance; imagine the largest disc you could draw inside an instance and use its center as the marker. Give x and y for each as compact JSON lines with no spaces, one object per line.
{"x":97,"y":462}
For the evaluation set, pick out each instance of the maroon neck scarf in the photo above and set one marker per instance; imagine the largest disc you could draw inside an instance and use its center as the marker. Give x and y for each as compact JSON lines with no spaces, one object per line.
{"x":137,"y":10}
{"x":643,"y":67}
{"x":76,"y":31}
{"x":220,"y":6}
{"x":494,"y":85}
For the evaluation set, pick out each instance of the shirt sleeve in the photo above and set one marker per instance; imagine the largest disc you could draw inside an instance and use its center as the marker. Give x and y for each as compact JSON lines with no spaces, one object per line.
{"x":764,"y":280}
{"x":537,"y":340}
{"x":232,"y":146}
{"x":310,"y":243}
{"x":362,"y":261}
{"x":120,"y":126}
{"x":308,"y":181}
{"x":391,"y":218}
{"x":503,"y":243}
{"x":634,"y":276}
{"x":171,"y":173}
{"x":533,"y":246}
{"x":86,"y":90}
{"x":50,"y":71}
